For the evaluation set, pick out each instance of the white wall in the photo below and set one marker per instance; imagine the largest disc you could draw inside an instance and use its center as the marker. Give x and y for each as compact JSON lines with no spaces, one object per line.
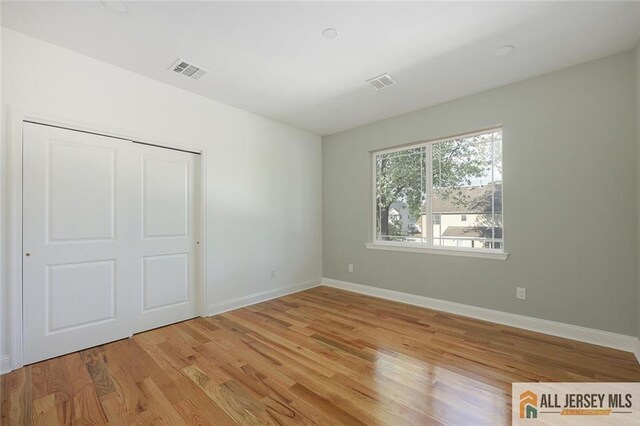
{"x":263,"y":178}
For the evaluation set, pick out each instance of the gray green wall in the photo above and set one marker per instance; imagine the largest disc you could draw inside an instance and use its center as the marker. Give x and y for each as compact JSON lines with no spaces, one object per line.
{"x":570,"y":214}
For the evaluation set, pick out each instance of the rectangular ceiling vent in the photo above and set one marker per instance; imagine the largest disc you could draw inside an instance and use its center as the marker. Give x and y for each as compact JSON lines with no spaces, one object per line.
{"x":381,"y":81}
{"x":185,"y":68}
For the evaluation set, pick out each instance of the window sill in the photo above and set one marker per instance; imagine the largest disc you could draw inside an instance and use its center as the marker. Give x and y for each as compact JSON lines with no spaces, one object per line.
{"x":453,"y":251}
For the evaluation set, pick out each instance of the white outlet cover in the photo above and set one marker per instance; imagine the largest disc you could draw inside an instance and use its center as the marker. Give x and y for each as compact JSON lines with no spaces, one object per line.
{"x":521,"y":293}
{"x":351,"y":267}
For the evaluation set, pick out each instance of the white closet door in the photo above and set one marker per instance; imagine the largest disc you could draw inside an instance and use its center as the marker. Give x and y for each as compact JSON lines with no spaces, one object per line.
{"x":165,"y":247}
{"x":76,"y":226}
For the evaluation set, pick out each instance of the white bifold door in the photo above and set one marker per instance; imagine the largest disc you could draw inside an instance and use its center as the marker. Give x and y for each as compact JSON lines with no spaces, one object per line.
{"x":110,"y":239}
{"x":164,"y":243}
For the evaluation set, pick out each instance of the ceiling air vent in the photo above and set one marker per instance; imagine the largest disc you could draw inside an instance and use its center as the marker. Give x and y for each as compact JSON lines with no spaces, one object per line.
{"x":381,"y":81}
{"x":185,"y":68}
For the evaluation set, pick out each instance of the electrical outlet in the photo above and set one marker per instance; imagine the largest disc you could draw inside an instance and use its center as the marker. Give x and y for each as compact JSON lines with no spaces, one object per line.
{"x":351,"y":267}
{"x":272,"y":274}
{"x":521,"y":293}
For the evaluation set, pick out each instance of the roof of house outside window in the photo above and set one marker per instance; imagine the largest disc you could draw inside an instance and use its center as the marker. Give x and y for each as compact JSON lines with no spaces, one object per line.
{"x":467,"y":200}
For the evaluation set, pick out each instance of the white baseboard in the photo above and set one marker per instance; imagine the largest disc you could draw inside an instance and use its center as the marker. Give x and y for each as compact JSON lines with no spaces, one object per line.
{"x":241,"y":302}
{"x":568,"y":331}
{"x":5,"y":364}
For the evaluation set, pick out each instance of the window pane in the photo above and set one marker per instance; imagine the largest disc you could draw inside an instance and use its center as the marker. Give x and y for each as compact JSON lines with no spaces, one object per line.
{"x":463,"y":187}
{"x":400,"y":194}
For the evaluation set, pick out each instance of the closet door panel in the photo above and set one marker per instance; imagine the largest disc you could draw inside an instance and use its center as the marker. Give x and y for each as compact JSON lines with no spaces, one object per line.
{"x":165,"y":238}
{"x":76,"y":268}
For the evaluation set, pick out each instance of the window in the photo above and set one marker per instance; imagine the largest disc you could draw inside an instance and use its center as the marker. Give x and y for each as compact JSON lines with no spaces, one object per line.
{"x":445,"y":179}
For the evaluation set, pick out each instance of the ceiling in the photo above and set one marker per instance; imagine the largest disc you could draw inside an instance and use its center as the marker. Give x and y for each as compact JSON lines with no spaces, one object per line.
{"x":270,"y":58}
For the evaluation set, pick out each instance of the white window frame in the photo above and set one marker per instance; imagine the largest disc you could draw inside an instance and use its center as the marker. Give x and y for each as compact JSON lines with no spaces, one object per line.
{"x":498,"y":254}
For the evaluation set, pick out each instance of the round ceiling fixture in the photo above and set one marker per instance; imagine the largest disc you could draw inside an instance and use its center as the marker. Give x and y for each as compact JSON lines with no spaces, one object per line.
{"x":330,"y":33}
{"x":115,"y":6}
{"x":505,"y":50}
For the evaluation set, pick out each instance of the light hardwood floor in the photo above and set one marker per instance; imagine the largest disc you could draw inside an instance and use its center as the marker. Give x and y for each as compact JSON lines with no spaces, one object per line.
{"x":322,"y":356}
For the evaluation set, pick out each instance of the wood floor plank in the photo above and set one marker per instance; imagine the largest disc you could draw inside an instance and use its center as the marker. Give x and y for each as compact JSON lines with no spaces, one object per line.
{"x":318,"y":357}
{"x":15,"y":398}
{"x":194,"y":405}
{"x":164,"y":412}
{"x":87,"y":408}
{"x":44,"y":411}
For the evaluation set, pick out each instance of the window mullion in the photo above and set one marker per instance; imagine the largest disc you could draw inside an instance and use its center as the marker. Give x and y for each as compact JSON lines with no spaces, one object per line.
{"x":428,"y":179}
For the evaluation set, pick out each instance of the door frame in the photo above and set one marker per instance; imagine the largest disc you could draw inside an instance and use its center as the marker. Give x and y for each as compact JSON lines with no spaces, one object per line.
{"x":15,"y":120}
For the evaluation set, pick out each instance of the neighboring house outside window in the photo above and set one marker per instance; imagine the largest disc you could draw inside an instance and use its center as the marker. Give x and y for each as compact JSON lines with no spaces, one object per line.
{"x":471,"y":232}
